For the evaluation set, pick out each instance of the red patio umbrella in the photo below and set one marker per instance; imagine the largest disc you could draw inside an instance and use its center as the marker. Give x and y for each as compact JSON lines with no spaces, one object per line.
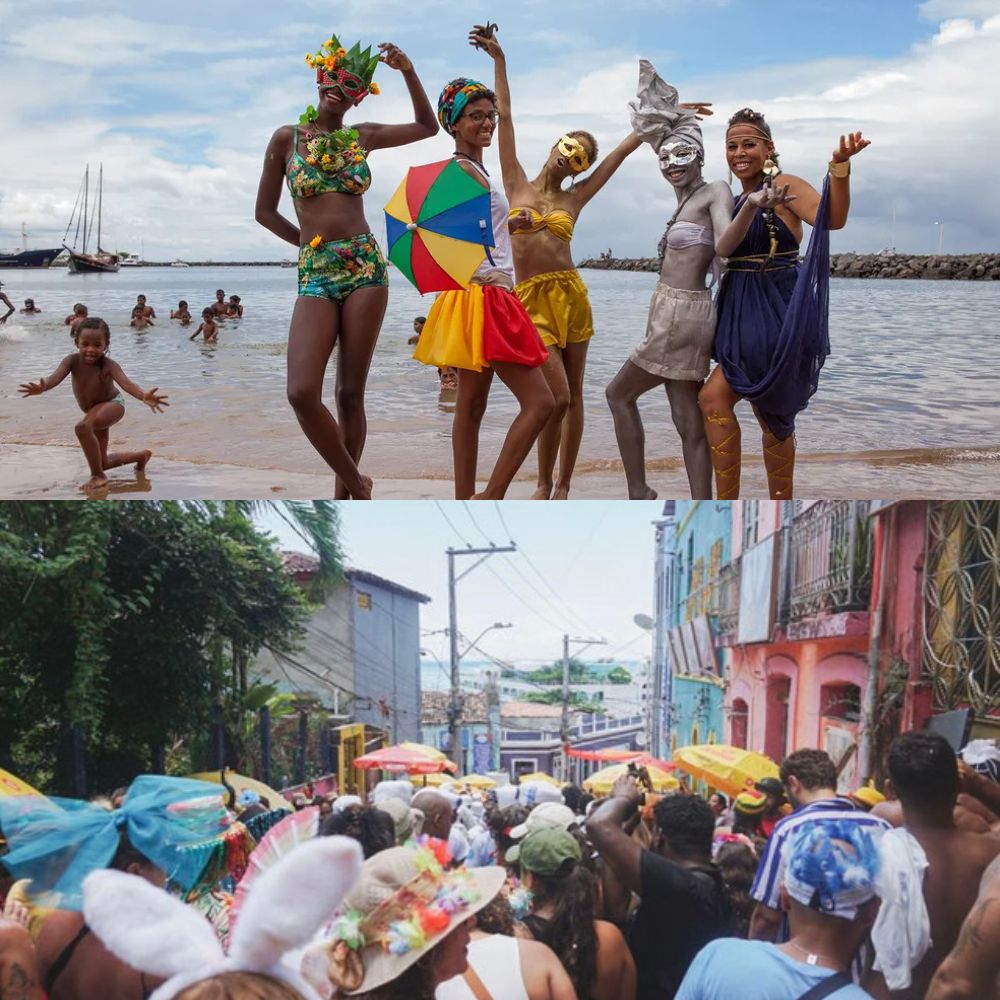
{"x":400,"y":758}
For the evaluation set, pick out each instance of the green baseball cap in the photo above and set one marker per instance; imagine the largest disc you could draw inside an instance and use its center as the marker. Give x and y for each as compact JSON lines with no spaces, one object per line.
{"x":546,"y":852}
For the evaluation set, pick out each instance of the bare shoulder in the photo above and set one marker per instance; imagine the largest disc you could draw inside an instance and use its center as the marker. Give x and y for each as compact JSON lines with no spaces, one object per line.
{"x":608,"y":933}
{"x":796,"y":184}
{"x":472,"y":172}
{"x":112,"y":367}
{"x":535,"y":950}
{"x":281,"y":137}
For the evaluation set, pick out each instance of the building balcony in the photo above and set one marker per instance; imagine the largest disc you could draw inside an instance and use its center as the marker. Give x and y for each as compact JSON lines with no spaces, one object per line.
{"x":726,"y":603}
{"x":829,"y":563}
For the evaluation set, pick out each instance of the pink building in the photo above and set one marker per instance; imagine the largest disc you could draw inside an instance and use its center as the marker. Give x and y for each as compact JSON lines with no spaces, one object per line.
{"x":795,"y":618}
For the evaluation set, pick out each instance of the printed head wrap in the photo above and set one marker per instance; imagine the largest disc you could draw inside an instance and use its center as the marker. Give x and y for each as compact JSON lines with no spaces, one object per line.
{"x":656,"y":116}
{"x":831,"y":866}
{"x":454,"y":98}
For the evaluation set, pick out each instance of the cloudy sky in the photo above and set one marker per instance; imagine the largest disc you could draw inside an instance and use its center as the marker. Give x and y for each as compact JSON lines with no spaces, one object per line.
{"x":582,"y":568}
{"x":178,"y":100}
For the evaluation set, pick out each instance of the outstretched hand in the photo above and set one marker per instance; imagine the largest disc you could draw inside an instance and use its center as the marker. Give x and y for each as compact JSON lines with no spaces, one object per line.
{"x":482,"y":36}
{"x":850,"y":145}
{"x":394,"y":57}
{"x":701,"y":109}
{"x":31,"y":388}
{"x":770,"y":196}
{"x":155,"y":400}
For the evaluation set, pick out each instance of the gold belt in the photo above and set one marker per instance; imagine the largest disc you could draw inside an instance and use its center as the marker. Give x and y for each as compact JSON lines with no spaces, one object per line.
{"x":764,"y":262}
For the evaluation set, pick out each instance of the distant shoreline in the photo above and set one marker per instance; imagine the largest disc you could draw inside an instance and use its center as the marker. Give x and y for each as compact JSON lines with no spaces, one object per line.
{"x":936,"y":267}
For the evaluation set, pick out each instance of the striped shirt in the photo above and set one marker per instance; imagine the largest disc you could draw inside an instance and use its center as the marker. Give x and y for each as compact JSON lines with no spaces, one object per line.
{"x":770,"y":873}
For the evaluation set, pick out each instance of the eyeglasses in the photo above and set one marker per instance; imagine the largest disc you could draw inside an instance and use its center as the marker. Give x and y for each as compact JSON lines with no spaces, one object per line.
{"x":478,"y":117}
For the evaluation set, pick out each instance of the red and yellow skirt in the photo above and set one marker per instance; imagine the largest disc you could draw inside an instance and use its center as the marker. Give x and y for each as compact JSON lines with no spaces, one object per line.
{"x":474,"y":328}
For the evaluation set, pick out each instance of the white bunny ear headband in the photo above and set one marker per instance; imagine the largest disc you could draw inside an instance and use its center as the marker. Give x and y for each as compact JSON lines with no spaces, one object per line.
{"x":156,"y":933}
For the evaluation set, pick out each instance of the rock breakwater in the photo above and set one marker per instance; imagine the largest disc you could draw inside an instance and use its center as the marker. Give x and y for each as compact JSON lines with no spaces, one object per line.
{"x":937,"y":267}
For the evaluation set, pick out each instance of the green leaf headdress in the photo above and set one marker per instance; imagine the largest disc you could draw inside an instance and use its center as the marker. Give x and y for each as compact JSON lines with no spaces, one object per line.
{"x":348,"y":70}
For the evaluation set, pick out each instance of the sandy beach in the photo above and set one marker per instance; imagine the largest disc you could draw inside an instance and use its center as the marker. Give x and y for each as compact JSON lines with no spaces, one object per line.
{"x":47,"y":472}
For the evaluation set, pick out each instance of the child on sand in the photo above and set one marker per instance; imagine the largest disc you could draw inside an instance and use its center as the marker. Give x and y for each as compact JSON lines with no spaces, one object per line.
{"x":182,"y":313}
{"x":94,"y":376}
{"x":30,"y":307}
{"x":208,"y":328}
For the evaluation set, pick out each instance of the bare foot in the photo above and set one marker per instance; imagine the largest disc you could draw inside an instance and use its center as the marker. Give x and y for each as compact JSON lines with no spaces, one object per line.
{"x":94,"y":483}
{"x":561,"y":493}
{"x":140,"y":466}
{"x":367,"y":492}
{"x":542,"y":493}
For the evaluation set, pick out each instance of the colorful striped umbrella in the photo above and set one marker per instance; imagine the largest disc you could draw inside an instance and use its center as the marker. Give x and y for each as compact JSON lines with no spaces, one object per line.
{"x":438,"y":227}
{"x":400,"y":758}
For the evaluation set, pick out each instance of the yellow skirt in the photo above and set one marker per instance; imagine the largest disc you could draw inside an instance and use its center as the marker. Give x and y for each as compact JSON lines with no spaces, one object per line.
{"x":472,"y":329}
{"x":558,"y":304}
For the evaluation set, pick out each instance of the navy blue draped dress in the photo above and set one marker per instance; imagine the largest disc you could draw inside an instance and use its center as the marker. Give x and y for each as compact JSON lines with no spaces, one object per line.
{"x":772,"y":336}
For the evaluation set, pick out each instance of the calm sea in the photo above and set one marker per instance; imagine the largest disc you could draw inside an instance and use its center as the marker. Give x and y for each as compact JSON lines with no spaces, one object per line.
{"x":915,"y":368}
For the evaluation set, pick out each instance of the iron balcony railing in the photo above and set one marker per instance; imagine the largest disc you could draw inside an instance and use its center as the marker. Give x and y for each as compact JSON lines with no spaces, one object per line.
{"x":726,"y":605}
{"x":829,"y":562}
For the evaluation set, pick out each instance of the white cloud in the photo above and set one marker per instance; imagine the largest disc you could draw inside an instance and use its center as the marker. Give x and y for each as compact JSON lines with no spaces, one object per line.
{"x":181,"y":167}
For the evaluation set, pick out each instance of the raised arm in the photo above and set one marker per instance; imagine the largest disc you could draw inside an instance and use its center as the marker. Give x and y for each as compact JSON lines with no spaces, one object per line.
{"x":512,"y":171}
{"x":269,"y":189}
{"x":49,"y":382}
{"x":10,"y":308}
{"x":605,"y":170}
{"x":424,"y":124}
{"x":604,"y":829}
{"x":152,"y":397}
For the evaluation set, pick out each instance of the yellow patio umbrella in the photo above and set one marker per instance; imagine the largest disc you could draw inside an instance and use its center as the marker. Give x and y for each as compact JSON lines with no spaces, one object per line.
{"x":10,"y":784}
{"x":600,"y":782}
{"x":729,"y":769}
{"x":431,"y":780}
{"x":538,"y":776}
{"x":477,"y":781}
{"x":243,"y":783}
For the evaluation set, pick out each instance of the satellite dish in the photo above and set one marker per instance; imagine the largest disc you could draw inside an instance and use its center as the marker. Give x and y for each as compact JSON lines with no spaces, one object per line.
{"x":644,"y":622}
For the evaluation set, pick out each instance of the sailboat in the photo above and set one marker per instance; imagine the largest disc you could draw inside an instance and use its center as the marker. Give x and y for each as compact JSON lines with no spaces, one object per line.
{"x":100,"y":261}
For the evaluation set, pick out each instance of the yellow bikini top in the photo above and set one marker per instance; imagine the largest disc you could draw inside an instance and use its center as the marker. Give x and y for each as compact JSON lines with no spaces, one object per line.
{"x":558,"y":222}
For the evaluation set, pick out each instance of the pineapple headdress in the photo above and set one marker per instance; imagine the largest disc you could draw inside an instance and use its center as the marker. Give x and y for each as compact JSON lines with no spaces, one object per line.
{"x":348,"y":70}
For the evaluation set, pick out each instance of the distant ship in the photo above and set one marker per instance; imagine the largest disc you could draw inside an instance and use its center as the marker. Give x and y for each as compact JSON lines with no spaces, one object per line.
{"x":132,"y":260}
{"x":100,"y":261}
{"x":28,"y":258}
{"x":180,"y":263}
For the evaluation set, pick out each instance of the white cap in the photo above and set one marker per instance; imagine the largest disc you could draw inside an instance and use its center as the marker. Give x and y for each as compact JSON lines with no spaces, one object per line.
{"x":547,"y":816}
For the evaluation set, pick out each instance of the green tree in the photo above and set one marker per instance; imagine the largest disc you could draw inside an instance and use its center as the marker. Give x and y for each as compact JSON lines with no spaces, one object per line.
{"x":619,"y":675}
{"x":129,"y":626}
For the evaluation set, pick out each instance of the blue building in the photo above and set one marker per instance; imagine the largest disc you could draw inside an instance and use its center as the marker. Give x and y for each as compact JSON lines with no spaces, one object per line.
{"x":692,"y":545}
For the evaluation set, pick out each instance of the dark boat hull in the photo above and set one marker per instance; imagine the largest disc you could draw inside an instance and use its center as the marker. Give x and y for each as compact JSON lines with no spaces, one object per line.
{"x":85,"y":263}
{"x":29,"y":258}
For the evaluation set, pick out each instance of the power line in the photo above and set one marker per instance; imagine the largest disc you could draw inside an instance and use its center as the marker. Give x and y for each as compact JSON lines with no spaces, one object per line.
{"x":441,"y":510}
{"x":496,"y":504}
{"x":475,"y":523}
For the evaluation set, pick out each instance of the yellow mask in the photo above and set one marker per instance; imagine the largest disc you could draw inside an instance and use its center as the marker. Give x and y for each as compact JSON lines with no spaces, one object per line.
{"x":574,"y":152}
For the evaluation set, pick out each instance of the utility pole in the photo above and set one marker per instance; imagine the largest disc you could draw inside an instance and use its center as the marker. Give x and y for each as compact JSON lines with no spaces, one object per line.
{"x":455,"y":704}
{"x":564,"y":726}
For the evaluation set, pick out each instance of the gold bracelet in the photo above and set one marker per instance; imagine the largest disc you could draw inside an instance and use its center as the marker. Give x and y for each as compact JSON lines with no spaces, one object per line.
{"x":840,"y":170}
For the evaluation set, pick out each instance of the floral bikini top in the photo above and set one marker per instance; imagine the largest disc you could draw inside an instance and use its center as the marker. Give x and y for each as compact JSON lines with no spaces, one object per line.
{"x":306,"y":180}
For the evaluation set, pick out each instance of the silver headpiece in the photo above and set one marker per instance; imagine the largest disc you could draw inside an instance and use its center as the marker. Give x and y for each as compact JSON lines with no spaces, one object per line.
{"x":656,"y":116}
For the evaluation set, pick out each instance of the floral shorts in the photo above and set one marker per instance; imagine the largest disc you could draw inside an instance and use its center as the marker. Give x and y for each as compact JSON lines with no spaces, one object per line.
{"x":335,"y":269}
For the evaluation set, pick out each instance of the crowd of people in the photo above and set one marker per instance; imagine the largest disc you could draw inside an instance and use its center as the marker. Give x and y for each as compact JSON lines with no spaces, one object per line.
{"x":789,"y":890}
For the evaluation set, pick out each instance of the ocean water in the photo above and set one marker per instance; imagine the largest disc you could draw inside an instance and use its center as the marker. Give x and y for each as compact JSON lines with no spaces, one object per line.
{"x":913,"y":378}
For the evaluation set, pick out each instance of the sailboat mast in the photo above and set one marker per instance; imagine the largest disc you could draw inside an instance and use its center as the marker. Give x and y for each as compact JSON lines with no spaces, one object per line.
{"x":100,"y":205}
{"x":86,"y":198}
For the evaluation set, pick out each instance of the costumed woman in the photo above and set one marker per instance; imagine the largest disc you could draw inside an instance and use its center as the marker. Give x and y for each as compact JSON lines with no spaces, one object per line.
{"x":165,"y":829}
{"x":677,"y":349}
{"x":485,"y":329}
{"x":404,"y":927}
{"x":543,"y":217}
{"x":772,"y":336}
{"x":343,"y":285}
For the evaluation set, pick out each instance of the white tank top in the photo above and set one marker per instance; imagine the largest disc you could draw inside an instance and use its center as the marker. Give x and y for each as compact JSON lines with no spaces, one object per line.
{"x":499,"y":213}
{"x":497,"y":961}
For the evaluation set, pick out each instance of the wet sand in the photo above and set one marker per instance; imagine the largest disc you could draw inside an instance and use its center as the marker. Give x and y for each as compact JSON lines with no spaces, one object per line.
{"x":49,"y":472}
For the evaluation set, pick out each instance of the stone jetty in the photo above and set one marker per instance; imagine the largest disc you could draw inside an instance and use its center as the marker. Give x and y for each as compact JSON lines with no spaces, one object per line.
{"x":938,"y":267}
